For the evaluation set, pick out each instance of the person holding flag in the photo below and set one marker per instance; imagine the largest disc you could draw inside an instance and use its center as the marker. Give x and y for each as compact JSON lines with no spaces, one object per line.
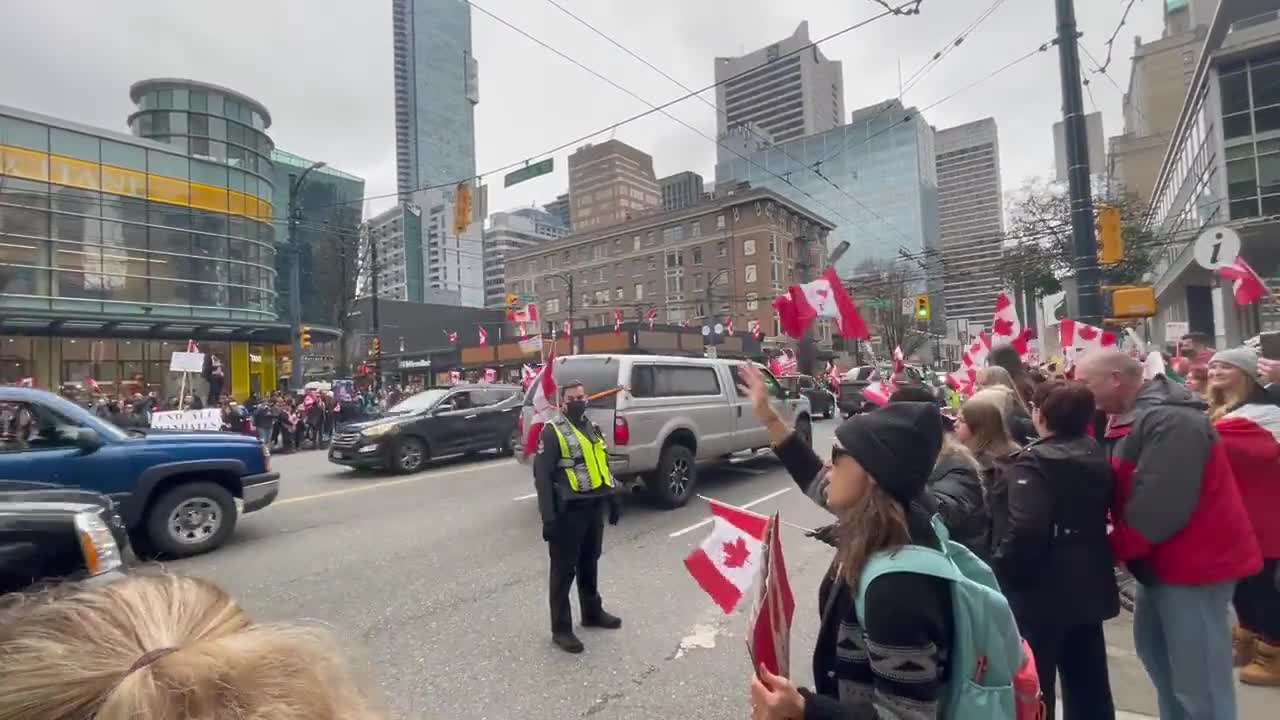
{"x":880,"y":463}
{"x":574,"y":485}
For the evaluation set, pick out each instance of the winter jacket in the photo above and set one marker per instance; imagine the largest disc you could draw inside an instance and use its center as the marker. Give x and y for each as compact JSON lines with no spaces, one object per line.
{"x":863,"y":672}
{"x":1020,"y":426}
{"x":1251,"y":436}
{"x":1052,"y":558}
{"x":994,"y":471}
{"x":956,"y":492}
{"x":1177,"y":510}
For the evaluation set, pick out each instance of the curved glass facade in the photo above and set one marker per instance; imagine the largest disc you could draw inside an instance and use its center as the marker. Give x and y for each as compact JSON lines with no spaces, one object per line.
{"x":98,"y":222}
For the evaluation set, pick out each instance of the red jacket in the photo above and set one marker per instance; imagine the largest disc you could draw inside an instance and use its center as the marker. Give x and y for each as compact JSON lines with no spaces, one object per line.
{"x":1178,"y":515}
{"x":1251,"y":435}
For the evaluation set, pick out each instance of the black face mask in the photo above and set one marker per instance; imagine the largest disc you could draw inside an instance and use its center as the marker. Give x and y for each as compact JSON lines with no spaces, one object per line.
{"x":575,"y":409}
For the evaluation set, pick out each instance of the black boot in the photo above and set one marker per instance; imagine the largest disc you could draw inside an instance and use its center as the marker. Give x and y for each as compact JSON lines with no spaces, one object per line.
{"x":601,"y":619}
{"x":567,"y":641}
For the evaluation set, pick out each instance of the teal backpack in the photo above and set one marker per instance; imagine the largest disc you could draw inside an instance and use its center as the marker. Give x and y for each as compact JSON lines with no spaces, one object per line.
{"x":992,"y":672}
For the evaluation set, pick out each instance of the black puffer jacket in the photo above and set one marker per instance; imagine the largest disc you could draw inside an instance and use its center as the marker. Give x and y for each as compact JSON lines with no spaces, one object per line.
{"x":956,"y":491}
{"x":1051,"y":554}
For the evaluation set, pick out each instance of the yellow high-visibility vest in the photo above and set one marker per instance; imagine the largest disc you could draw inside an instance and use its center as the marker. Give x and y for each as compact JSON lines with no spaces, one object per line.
{"x":581,"y":458}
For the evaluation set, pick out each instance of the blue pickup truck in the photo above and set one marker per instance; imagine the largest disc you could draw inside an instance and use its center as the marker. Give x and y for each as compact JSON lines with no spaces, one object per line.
{"x":177,"y":491}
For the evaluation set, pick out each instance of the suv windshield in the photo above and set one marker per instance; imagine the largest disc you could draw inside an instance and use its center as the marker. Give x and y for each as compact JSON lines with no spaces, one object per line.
{"x":597,"y":373}
{"x":417,"y":403}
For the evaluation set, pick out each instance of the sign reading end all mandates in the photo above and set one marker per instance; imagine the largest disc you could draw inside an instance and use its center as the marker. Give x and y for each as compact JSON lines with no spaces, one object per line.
{"x":542,"y":167}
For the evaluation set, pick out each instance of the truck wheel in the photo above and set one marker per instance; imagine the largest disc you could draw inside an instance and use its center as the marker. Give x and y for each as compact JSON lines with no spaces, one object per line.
{"x":672,"y":483}
{"x":410,"y":455}
{"x":192,"y":518}
{"x":804,"y":428}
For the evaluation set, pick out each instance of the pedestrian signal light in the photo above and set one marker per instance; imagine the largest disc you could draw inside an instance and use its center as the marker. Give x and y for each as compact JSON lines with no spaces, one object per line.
{"x":922,"y":307}
{"x":305,"y":337}
{"x":376,"y":350}
{"x":1110,"y":236}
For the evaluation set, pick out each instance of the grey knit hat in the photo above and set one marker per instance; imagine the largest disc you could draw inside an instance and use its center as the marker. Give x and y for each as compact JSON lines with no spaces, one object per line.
{"x":1242,"y":358}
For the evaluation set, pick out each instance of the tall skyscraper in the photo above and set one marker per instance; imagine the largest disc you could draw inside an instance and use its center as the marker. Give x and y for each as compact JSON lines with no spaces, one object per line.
{"x":510,"y":232}
{"x":970,"y":220}
{"x":789,"y":95}
{"x":681,"y":190}
{"x":560,"y":208}
{"x":610,"y":183}
{"x":437,"y":88}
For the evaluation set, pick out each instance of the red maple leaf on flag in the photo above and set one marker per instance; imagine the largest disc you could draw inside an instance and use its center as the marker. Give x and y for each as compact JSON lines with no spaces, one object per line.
{"x":1088,"y":332}
{"x":736,"y":553}
{"x":1002,"y":327}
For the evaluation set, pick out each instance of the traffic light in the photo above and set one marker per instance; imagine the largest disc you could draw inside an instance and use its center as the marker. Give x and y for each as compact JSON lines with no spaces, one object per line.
{"x":376,"y":349}
{"x":922,"y":307}
{"x":305,"y":337}
{"x":1129,"y":301}
{"x":512,"y":300}
{"x":462,"y":208}
{"x":1110,"y":236}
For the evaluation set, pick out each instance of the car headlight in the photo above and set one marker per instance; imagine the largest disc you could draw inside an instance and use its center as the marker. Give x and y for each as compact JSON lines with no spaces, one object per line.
{"x":97,"y":544}
{"x":378,"y":430}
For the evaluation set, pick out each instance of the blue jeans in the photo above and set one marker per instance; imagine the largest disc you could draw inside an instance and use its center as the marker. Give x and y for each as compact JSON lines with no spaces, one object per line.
{"x":1183,"y":637}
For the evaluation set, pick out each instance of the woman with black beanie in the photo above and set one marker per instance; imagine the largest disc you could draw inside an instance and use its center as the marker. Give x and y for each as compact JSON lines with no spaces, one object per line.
{"x":895,"y":666}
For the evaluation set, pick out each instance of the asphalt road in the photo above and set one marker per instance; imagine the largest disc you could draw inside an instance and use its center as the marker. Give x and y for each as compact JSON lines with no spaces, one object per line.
{"x":436,"y":584}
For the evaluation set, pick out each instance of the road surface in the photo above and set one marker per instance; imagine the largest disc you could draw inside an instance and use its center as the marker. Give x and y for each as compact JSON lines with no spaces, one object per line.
{"x":436,"y":584}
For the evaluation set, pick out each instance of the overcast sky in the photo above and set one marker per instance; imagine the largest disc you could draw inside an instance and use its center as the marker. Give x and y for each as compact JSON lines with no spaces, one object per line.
{"x":323,"y":69}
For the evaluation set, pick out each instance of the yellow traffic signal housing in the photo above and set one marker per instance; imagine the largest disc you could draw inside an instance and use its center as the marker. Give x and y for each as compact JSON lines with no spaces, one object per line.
{"x":376,"y":348}
{"x":1110,"y":236}
{"x":922,"y":307}
{"x":1130,"y":301}
{"x":305,"y":336}
{"x":462,"y":208}
{"x":512,"y":300}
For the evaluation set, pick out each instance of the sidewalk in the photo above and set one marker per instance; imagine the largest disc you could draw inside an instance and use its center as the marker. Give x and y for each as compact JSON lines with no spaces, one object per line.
{"x":1136,"y":699}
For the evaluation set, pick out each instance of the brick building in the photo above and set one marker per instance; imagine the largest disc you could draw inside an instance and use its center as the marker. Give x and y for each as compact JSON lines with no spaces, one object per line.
{"x":723,"y":258}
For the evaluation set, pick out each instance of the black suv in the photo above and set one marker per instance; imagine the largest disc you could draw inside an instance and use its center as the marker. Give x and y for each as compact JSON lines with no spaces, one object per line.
{"x":821,"y":400}
{"x":49,"y":534}
{"x":436,"y":422}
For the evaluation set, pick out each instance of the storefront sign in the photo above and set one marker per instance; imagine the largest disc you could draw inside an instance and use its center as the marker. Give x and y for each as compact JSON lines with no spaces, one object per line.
{"x":207,"y":419}
{"x":531,"y":344}
{"x":412,"y":364}
{"x":192,"y":362}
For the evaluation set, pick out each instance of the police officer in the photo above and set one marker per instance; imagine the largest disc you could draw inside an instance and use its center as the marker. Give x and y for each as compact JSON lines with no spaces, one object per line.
{"x":575,"y":489}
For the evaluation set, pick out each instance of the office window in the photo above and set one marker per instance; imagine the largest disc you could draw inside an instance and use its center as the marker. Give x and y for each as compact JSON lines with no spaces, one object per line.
{"x":750,"y":273}
{"x":748,"y":247}
{"x":639,"y":291}
{"x":697,"y":256}
{"x":553,"y":305}
{"x":675,"y":259}
{"x":635,"y":243}
{"x":653,"y":262}
{"x":720,"y":222}
{"x":753,"y":301}
{"x":618,"y":293}
{"x":695,"y":229}
{"x":722,"y":250}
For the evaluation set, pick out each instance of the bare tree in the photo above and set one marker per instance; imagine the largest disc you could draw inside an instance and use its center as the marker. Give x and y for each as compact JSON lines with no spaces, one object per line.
{"x":879,"y":289}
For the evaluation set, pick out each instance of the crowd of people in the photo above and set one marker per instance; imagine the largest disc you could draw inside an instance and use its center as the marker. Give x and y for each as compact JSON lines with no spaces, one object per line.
{"x":1054,"y":481}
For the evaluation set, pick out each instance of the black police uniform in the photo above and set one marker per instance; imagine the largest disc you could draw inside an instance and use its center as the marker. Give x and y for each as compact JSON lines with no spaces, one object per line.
{"x":573,"y":527}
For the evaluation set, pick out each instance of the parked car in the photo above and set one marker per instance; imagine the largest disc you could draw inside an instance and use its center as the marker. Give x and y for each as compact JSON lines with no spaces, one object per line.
{"x":671,"y":415}
{"x":177,"y":491}
{"x":436,"y":422}
{"x":821,"y":400}
{"x":51,"y":534}
{"x":852,"y":401}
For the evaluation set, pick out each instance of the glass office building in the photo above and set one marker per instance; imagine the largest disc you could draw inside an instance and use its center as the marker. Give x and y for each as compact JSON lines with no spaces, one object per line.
{"x":883,"y":163}
{"x":116,"y":250}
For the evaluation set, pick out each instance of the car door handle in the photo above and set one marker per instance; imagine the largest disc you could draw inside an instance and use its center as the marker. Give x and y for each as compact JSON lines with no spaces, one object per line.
{"x":469,"y":417}
{"x":739,"y":411}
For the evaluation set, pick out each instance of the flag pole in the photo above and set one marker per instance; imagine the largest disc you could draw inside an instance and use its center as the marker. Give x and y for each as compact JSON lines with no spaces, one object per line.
{"x":793,"y":526}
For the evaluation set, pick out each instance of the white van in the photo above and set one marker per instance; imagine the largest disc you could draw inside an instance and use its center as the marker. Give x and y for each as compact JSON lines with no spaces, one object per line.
{"x":671,"y":415}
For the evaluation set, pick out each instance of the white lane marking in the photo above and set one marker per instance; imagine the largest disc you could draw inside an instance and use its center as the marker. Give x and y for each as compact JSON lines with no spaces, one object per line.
{"x":751,"y":504}
{"x":530,"y":496}
{"x":391,"y":483}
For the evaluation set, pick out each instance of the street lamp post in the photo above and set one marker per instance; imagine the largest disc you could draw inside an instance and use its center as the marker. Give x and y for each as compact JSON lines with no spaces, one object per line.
{"x":295,"y":273}
{"x":567,"y":279}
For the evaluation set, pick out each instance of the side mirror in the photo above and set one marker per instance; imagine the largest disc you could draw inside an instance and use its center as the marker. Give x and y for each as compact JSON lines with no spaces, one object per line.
{"x":88,"y":440}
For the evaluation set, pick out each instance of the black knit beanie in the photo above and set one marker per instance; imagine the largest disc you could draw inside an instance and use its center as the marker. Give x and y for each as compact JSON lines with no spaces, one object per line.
{"x":897,"y":444}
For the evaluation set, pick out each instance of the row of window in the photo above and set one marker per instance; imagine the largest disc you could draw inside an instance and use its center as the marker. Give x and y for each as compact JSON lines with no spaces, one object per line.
{"x":202,"y":101}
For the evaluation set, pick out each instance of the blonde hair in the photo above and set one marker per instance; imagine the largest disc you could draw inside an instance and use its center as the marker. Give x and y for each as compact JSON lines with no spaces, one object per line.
{"x":875,"y":522}
{"x":985,"y":413}
{"x":166,"y":647}
{"x":994,"y":377}
{"x":1223,"y":401}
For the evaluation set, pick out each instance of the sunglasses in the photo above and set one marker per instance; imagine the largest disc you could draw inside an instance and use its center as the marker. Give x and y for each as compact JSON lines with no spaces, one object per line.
{"x":839,"y":452}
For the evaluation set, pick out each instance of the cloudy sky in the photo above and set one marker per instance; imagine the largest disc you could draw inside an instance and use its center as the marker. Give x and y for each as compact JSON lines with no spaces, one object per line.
{"x":323,"y":69}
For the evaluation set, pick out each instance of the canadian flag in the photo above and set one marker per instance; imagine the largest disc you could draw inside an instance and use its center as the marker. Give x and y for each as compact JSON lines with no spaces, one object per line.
{"x":784,"y":364}
{"x":653,"y":316}
{"x":824,"y":297}
{"x":484,"y":337}
{"x":773,"y":607}
{"x":975,"y":356}
{"x":963,"y":381}
{"x":1005,"y":328}
{"x":1153,"y":365}
{"x":27,"y":382}
{"x":899,"y":362}
{"x":1251,"y":436}
{"x":877,"y":392}
{"x":524,"y":332}
{"x":728,"y":326}
{"x":757,"y":332}
{"x":527,"y":375}
{"x":455,"y":377}
{"x":617,"y":322}
{"x":1082,"y":337}
{"x":192,"y":346}
{"x":544,"y":403}
{"x":1245,"y":282}
{"x":93,"y":385}
{"x":730,"y":558}
{"x":453,"y":337}
{"x":568,"y":328}
{"x":528,"y":315}
{"x":833,"y":374}
{"x":490,"y":375}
